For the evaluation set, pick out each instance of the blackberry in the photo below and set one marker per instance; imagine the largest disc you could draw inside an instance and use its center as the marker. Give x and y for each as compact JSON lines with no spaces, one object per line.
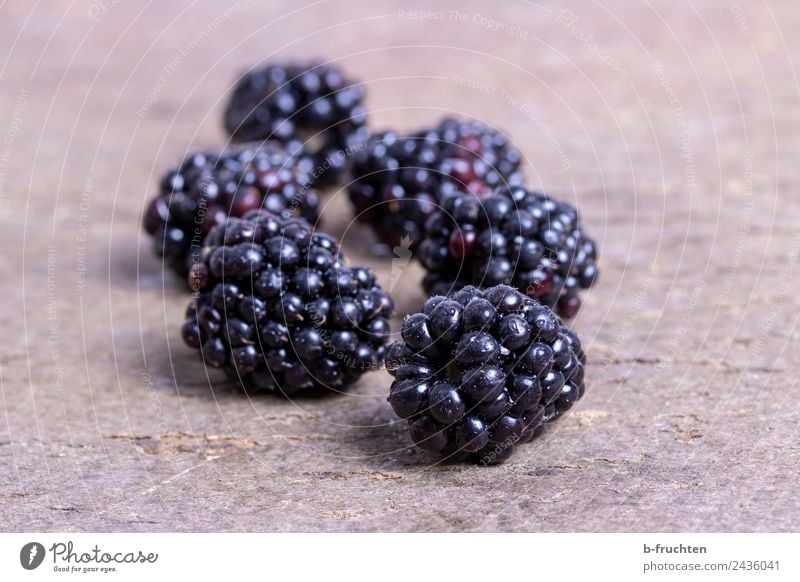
{"x":208,"y":187}
{"x":517,"y":237}
{"x":398,"y":181}
{"x":481,"y":371}
{"x":279,"y":310}
{"x":309,"y":107}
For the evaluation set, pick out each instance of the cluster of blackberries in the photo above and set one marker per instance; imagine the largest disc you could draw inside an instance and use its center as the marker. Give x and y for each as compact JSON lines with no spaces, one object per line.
{"x":479,"y":371}
{"x":308,"y":107}
{"x":399,"y":181}
{"x":515,"y":237}
{"x":452,"y":194}
{"x":276,"y":306}
{"x":208,"y":187}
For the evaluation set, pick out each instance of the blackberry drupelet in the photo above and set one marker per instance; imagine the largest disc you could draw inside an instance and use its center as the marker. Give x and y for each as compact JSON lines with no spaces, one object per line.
{"x":398,"y":181}
{"x":279,"y":310}
{"x":208,"y":187}
{"x":481,"y":371}
{"x":310,"y":107}
{"x":517,"y":237}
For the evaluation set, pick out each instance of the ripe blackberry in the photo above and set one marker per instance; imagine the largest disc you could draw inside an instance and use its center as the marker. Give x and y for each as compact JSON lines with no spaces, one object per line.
{"x":208,"y":187}
{"x":398,"y":181}
{"x":517,"y":237}
{"x":309,"y":107}
{"x":278,"y":309}
{"x":482,"y":370}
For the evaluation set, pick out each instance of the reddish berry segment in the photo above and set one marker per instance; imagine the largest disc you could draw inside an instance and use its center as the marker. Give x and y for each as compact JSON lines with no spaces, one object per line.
{"x":461,"y":243}
{"x":481,"y":371}
{"x":208,"y":187}
{"x":399,"y":181}
{"x":515,"y":237}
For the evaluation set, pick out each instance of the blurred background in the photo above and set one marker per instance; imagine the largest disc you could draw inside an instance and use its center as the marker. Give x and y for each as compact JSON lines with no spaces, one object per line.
{"x":672,"y":126}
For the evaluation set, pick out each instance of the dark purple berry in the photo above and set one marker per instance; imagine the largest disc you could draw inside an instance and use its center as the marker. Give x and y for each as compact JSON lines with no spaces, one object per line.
{"x":479,"y":315}
{"x":484,"y":383}
{"x":207,"y":188}
{"x":191,"y":334}
{"x":416,"y":333}
{"x":406,"y":397}
{"x":428,"y":434}
{"x":475,"y":347}
{"x":514,"y":332}
{"x":310,"y":107}
{"x":446,"y":403}
{"x":517,"y":237}
{"x":482,"y":371}
{"x":445,"y":321}
{"x":472,"y":434}
{"x":274,"y":321}
{"x":400,"y":182}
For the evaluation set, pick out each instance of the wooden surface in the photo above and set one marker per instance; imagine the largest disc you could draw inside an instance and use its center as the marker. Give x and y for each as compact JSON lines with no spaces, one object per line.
{"x":673,"y":125}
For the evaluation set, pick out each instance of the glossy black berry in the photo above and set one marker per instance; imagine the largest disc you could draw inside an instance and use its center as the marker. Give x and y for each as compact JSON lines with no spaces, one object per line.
{"x":446,"y":403}
{"x":516,"y":237}
{"x":400,"y":181}
{"x":208,"y":187}
{"x":481,"y":371}
{"x":309,"y":107}
{"x":282,"y":311}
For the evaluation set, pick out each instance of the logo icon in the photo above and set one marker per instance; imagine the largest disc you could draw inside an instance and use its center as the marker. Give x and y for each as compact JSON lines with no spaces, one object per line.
{"x":401,"y":257}
{"x":31,"y":555}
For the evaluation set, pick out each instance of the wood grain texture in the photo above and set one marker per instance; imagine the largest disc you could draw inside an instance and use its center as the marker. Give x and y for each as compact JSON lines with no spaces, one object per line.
{"x":674,"y":127}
